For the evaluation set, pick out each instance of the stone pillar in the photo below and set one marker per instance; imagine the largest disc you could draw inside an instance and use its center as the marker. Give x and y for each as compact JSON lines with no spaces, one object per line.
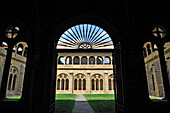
{"x":80,"y":59}
{"x":94,"y":84}
{"x":64,"y":83}
{"x":23,"y":51}
{"x":88,"y":82}
{"x":95,"y":60}
{"x":105,"y":81}
{"x":77,"y":84}
{"x":87,"y":60}
{"x":71,"y":81}
{"x":99,"y":83}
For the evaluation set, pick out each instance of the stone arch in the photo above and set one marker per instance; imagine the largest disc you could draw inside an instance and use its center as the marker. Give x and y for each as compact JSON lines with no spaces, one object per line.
{"x":84,"y":60}
{"x":79,"y":82}
{"x":61,"y":60}
{"x":76,"y":60}
{"x":68,"y":60}
{"x":99,"y":60}
{"x":148,"y":46}
{"x":62,"y":81}
{"x":97,"y":82}
{"x":92,"y":60}
{"x":13,"y":73}
{"x":107,"y":60}
{"x":111,"y":82}
{"x":21,"y":48}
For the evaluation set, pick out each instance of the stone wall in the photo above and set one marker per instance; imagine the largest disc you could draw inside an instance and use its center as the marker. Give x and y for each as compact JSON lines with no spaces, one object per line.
{"x":91,"y":72}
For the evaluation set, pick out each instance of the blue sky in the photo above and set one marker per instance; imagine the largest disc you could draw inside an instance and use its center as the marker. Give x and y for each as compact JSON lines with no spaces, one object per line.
{"x":85,"y":33}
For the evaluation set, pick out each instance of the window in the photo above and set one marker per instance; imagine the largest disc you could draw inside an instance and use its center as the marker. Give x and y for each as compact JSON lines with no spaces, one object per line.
{"x":111,"y":82}
{"x":91,"y":60}
{"x":99,"y":60}
{"x":159,"y":31}
{"x":62,"y":82}
{"x":17,"y":70}
{"x":20,"y":49}
{"x":153,"y":82}
{"x":3,"y":51}
{"x":12,"y":32}
{"x":14,"y":62}
{"x":69,"y":60}
{"x":154,"y":73}
{"x":61,"y":60}
{"x":80,"y":82}
{"x":97,"y":82}
{"x":167,"y":57}
{"x":148,"y":49}
{"x":76,"y":60}
{"x":12,"y":79}
{"x":107,"y":60}
{"x":85,"y":36}
{"x":84,"y":60}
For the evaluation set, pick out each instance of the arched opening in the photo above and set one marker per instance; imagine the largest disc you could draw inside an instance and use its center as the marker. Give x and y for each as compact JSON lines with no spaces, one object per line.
{"x":3,"y":51}
{"x":84,"y":60}
{"x":61,"y":60}
{"x":16,"y":72}
{"x":76,"y":60}
{"x":107,"y":60}
{"x":20,"y":49}
{"x":148,"y":49}
{"x":84,"y":84}
{"x":79,"y":83}
{"x":101,"y":84}
{"x":99,"y":60}
{"x":89,"y":47}
{"x":62,"y":83}
{"x":154,"y":72}
{"x":67,"y":84}
{"x":92,"y":60}
{"x":92,"y":83}
{"x":69,"y":60}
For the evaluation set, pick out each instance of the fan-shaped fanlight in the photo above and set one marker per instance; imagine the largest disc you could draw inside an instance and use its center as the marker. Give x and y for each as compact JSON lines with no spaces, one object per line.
{"x":85,"y":36}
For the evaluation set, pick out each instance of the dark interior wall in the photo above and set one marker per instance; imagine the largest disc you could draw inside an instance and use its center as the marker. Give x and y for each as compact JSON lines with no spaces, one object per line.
{"x":129,"y":22}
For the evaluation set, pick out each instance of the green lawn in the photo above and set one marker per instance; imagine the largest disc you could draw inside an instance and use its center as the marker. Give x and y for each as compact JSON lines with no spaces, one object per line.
{"x":64,"y":103}
{"x":101,"y":103}
{"x":154,"y":98}
{"x":14,"y":97}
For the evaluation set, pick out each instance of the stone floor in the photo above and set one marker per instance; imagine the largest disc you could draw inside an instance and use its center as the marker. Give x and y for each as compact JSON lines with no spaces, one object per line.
{"x":81,"y":105}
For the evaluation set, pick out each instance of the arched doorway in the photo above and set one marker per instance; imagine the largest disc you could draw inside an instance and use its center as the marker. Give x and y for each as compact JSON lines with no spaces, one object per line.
{"x":90,"y":49}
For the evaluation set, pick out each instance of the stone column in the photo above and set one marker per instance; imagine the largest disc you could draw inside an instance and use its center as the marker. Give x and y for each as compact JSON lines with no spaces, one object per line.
{"x":94,"y":84}
{"x":60,"y":83}
{"x":95,"y":60}
{"x":88,"y":82}
{"x":77,"y":84}
{"x":80,"y":59}
{"x":23,"y":51}
{"x":99,"y":83}
{"x":105,"y":81}
{"x":87,"y":60}
{"x":71,"y":81}
{"x":64,"y":84}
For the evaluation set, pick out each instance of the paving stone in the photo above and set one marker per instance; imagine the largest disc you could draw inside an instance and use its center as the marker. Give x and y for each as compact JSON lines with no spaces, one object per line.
{"x":81,"y":105}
